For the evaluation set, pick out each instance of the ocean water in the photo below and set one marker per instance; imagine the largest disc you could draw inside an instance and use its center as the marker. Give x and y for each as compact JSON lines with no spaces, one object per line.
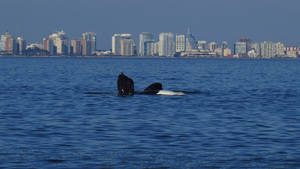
{"x":239,"y":114}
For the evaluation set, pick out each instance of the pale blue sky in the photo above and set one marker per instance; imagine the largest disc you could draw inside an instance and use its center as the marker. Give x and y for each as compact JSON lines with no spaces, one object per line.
{"x":211,"y":20}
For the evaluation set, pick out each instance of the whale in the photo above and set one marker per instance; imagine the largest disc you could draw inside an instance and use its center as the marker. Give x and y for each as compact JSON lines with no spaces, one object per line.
{"x":125,"y":85}
{"x":126,"y":88}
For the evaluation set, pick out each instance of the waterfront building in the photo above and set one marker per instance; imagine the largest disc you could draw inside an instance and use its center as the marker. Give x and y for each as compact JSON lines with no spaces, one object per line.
{"x":156,"y":48}
{"x":252,"y":54}
{"x":146,"y":40}
{"x":256,"y":48}
{"x":166,"y":44}
{"x":89,"y":42}
{"x":240,"y":49}
{"x":116,"y":43}
{"x":180,"y":43}
{"x":7,"y":44}
{"x":86,"y":47}
{"x":20,"y":46}
{"x":227,"y":52}
{"x":127,"y":47}
{"x":48,"y":45}
{"x":219,"y":52}
{"x":60,"y":42}
{"x":201,"y":45}
{"x":149,"y":48}
{"x":212,"y":46}
{"x":292,"y":51}
{"x":34,"y":46}
{"x":224,"y":45}
{"x":190,"y":41}
{"x":75,"y":47}
{"x":271,"y":50}
{"x":248,"y":43}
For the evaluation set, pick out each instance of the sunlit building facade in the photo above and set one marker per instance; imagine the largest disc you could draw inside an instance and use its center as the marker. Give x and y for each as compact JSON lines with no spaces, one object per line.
{"x":166,"y":44}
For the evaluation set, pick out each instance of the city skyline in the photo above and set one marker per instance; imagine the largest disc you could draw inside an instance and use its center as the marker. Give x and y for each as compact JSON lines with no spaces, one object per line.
{"x":123,"y":44}
{"x":215,"y":20}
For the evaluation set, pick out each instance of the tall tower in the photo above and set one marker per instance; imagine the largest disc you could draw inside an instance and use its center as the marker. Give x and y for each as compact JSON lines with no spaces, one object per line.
{"x":20,"y":46}
{"x":145,"y":38}
{"x":190,"y":40}
{"x":240,"y":48}
{"x":180,"y":43}
{"x":7,"y":44}
{"x":60,"y":43}
{"x":166,"y":44}
{"x":123,"y":45}
{"x":90,"y":40}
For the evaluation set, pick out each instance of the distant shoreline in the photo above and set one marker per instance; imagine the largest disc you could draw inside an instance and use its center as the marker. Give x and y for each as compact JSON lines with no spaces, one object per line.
{"x":143,"y":57}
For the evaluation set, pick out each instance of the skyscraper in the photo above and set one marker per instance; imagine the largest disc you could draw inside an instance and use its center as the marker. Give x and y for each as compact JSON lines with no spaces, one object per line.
{"x":60,"y":42}
{"x":248,"y":43}
{"x":123,"y":45}
{"x":166,"y":44}
{"x":190,"y":41}
{"x":75,"y":47}
{"x":212,"y":46}
{"x":127,"y":47}
{"x":270,"y":49}
{"x":7,"y":44}
{"x":145,"y":38}
{"x":90,"y":42}
{"x":201,"y":45}
{"x":20,"y":46}
{"x":240,"y":48}
{"x":48,"y":45}
{"x":180,"y":43}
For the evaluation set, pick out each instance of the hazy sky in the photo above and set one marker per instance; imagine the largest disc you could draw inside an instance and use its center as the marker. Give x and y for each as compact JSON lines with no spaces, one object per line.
{"x":211,"y":20}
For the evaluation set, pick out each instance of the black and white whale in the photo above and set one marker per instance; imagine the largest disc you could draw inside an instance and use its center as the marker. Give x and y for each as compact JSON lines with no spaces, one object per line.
{"x":126,"y":88}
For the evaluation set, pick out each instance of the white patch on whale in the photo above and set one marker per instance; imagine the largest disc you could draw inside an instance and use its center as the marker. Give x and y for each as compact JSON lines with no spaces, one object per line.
{"x":170,"y":93}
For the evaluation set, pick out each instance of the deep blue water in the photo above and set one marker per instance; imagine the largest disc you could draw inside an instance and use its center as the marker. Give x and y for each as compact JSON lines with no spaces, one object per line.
{"x":245,"y":114}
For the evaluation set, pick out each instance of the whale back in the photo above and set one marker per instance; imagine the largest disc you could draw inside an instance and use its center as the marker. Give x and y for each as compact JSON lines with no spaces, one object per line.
{"x":154,"y":86}
{"x":125,"y":85}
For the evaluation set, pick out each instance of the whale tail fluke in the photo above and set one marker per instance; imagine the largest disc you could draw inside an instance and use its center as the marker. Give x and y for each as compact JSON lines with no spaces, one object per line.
{"x":125,"y":85}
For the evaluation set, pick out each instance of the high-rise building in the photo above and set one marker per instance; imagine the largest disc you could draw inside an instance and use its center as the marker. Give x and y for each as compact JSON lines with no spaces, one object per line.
{"x":180,"y":43}
{"x":60,"y":43}
{"x":270,"y":49}
{"x":201,"y":45}
{"x":127,"y":47}
{"x":20,"y":46}
{"x":123,"y":45}
{"x":212,"y":46}
{"x":75,"y":47}
{"x":7,"y":44}
{"x":48,"y":45}
{"x":156,"y":48}
{"x":256,"y":48}
{"x":166,"y":44}
{"x":224,"y":45}
{"x":240,"y":48}
{"x":190,"y":41}
{"x":149,"y":48}
{"x":86,"y":47}
{"x":248,"y":43}
{"x":90,"y":42}
{"x":146,"y":38}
